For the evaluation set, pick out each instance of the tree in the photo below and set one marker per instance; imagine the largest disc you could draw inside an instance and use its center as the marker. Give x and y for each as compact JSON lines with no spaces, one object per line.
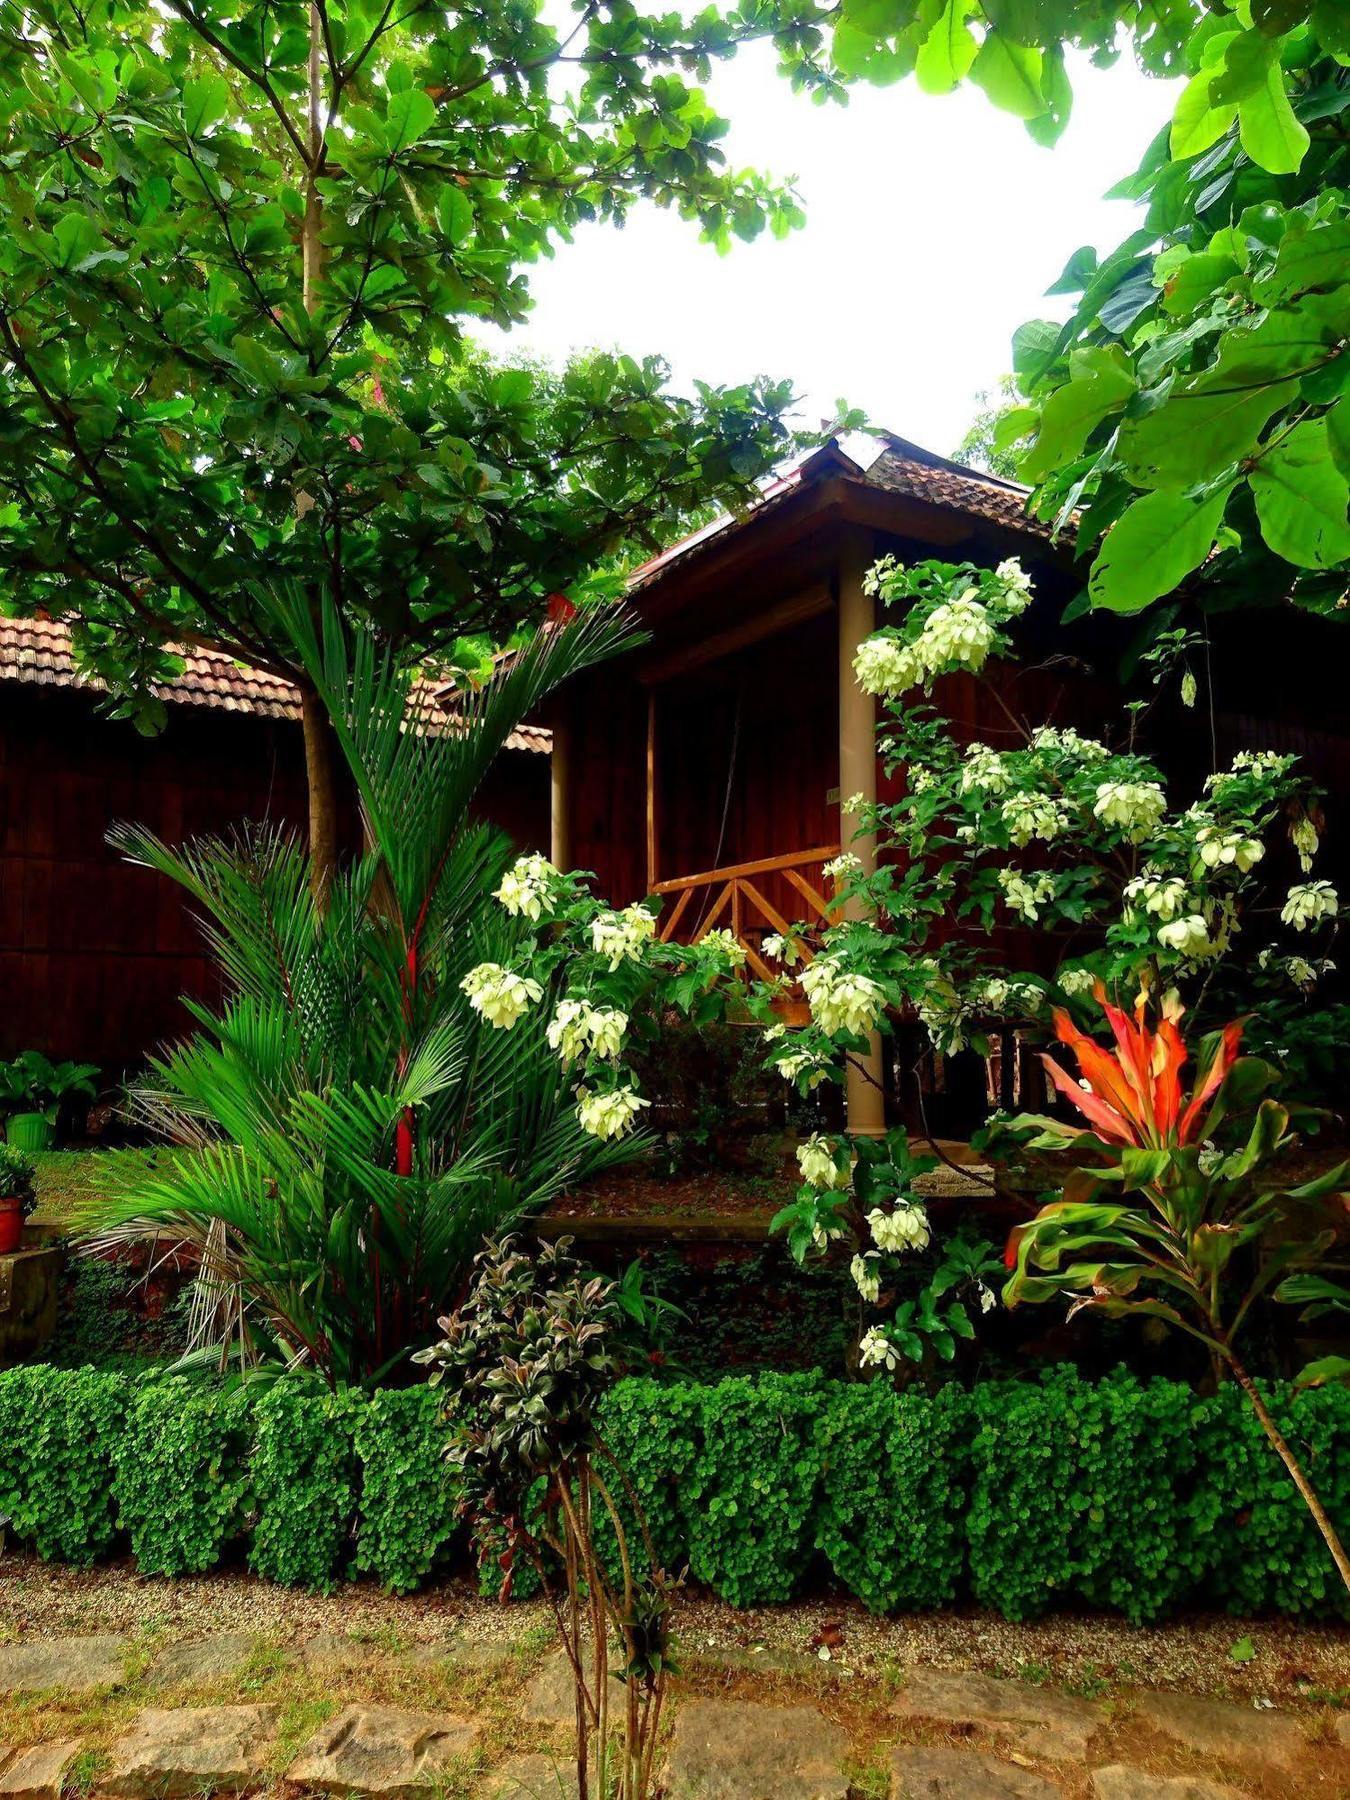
{"x":979,"y":447}
{"x":1190,"y":418}
{"x":240,"y":248}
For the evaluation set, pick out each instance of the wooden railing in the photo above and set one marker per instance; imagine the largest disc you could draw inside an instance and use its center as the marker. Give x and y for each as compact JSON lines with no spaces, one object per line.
{"x":735,"y":898}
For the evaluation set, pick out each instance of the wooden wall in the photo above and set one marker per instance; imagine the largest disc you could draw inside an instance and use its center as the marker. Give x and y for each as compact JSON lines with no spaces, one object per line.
{"x":94,"y":955}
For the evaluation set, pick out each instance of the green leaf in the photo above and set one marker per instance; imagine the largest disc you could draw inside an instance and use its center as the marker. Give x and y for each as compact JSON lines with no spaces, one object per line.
{"x":205,"y":100}
{"x":1243,"y":1651}
{"x":454,"y":212}
{"x":1152,"y":546}
{"x":1071,"y":413}
{"x":1301,"y":499}
{"x":1199,"y":432}
{"x":946,"y":54}
{"x":1011,"y":76}
{"x":1267,"y":127}
{"x":1323,"y":1370}
{"x":409,"y":116}
{"x":1034,"y":346}
{"x":1197,"y":122}
{"x":1338,"y":434}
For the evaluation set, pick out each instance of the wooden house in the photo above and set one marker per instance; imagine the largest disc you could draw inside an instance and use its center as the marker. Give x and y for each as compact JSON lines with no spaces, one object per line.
{"x":94,"y":954}
{"x":708,"y":765}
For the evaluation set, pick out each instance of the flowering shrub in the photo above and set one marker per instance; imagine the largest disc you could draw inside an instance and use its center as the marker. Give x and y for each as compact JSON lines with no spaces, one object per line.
{"x":608,"y":976}
{"x":1052,"y":830}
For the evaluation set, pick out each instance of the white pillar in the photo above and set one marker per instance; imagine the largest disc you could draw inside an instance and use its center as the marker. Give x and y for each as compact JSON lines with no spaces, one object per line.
{"x":560,"y":818}
{"x":858,"y":775}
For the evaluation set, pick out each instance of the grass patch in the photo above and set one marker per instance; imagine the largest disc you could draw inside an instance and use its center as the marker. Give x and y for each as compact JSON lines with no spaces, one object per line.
{"x":67,"y":1180}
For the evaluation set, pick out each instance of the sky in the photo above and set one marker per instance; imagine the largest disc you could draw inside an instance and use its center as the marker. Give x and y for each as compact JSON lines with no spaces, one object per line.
{"x":934,"y":226}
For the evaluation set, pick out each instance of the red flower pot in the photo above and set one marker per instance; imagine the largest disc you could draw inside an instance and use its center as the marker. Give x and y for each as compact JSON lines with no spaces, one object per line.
{"x":11,"y":1224}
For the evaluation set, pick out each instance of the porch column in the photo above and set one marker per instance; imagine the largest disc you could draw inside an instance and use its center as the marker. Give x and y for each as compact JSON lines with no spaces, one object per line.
{"x":560,"y":774}
{"x":858,"y":775}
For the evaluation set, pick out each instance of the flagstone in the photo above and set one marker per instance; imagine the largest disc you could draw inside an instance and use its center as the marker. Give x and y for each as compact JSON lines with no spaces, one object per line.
{"x":384,"y":1750}
{"x":189,"y":1750}
{"x":933,"y":1772}
{"x":74,"y":1665}
{"x":37,"y":1774}
{"x":1039,"y":1721}
{"x":201,"y":1660}
{"x":1222,"y":1729}
{"x":729,"y":1750}
{"x":533,"y":1778}
{"x":1119,"y":1782}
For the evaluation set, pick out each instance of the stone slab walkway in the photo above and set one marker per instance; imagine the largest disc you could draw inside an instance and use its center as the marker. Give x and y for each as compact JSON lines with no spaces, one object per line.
{"x":495,"y":1720}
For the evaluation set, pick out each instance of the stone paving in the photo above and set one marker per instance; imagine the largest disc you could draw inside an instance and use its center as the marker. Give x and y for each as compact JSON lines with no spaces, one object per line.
{"x":944,"y":1734}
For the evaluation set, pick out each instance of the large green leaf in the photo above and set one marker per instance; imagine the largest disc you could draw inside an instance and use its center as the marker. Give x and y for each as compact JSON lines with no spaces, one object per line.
{"x":1301,"y":499}
{"x":1073,"y":411}
{"x":1154,"y":545}
{"x":1011,"y":75}
{"x":946,"y":54}
{"x":1200,"y":431}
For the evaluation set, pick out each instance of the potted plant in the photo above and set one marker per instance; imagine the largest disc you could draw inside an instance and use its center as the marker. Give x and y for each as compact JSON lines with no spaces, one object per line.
{"x":31,"y":1091}
{"x":17,"y":1198}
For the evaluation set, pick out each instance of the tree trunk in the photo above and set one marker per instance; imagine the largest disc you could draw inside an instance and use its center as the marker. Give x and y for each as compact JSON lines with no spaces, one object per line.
{"x":311,"y":243}
{"x":1291,"y":1462}
{"x":321,"y":774}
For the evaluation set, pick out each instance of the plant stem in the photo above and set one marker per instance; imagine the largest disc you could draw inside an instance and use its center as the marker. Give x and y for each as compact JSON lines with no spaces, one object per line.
{"x":1295,"y":1468}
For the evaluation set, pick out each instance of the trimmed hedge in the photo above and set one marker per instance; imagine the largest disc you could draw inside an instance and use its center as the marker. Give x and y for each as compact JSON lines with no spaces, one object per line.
{"x":1024,"y":1495}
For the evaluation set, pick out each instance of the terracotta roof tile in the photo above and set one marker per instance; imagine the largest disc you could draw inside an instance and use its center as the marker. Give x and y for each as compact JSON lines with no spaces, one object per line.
{"x":961,"y":490}
{"x":38,"y":653}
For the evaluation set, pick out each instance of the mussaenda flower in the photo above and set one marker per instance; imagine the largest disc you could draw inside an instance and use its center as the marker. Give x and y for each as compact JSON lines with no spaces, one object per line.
{"x":958,"y":632}
{"x":781,"y":947}
{"x":866,"y":1273}
{"x":622,"y":936}
{"x":1188,"y":936}
{"x":1164,"y":899}
{"x":816,"y":1160}
{"x":886,"y":667}
{"x":842,"y":867}
{"x":1076,"y":981}
{"x":905,"y":1227}
{"x":1135,"y":807}
{"x":610,"y":1114}
{"x":1218,"y":847}
{"x":876,"y":1350}
{"x":727,"y":944}
{"x":1307,"y":903}
{"x":1303,"y":836}
{"x":1029,"y":816}
{"x":526,"y":886}
{"x":985,"y":771}
{"x":500,"y":995}
{"x":577,"y":1027}
{"x":1026,"y":896}
{"x":1015,"y":582}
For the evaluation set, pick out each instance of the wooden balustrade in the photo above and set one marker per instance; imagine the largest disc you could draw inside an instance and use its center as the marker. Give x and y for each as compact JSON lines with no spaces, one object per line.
{"x":736,"y":899}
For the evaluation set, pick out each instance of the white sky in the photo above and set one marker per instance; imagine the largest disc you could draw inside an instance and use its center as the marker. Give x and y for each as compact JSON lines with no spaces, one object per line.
{"x":934,"y":226}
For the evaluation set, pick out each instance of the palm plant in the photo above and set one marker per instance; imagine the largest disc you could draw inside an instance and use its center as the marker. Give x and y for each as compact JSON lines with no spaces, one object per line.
{"x":1178,"y":1208}
{"x":349,"y":1127}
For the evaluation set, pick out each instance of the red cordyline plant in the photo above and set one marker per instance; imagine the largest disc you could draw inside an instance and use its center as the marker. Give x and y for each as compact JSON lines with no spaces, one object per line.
{"x":1178,"y":1207}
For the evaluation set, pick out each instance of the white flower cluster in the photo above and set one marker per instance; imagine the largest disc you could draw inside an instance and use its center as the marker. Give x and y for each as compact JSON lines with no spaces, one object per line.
{"x":782,"y":947}
{"x":842,"y":867}
{"x":1068,"y":742}
{"x":804,"y":1062}
{"x":1076,"y":981}
{"x":622,"y":936}
{"x":905,"y":1227}
{"x":528,"y":886}
{"x":727,"y":945}
{"x":499,"y":994}
{"x":1162,"y":898}
{"x":815,"y":1159}
{"x":609,"y":1114}
{"x":578,"y":1027}
{"x":1218,"y":847}
{"x":985,"y":770}
{"x":1016,"y":584}
{"x":1188,"y":935}
{"x":1303,"y":836}
{"x":1308,"y":902}
{"x":866,"y":1273}
{"x":1025,"y":895}
{"x":840,"y":1001}
{"x":1134,"y":806}
{"x":1029,"y":816}
{"x":957,"y":633}
{"x":996,"y":995}
{"x":940,"y":1010}
{"x":875,"y":1350}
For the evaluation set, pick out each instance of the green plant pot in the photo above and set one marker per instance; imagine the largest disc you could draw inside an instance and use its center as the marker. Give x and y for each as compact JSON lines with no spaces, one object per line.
{"x":30,"y":1131}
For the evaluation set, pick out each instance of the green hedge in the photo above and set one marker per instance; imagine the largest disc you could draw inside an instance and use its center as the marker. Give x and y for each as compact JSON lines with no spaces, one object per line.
{"x":1022,"y":1495}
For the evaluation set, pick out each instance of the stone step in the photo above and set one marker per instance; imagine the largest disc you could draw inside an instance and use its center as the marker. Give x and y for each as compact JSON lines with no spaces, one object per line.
{"x":1037,"y":1721}
{"x":384,"y":1750}
{"x":933,"y":1772}
{"x":738,"y":1750}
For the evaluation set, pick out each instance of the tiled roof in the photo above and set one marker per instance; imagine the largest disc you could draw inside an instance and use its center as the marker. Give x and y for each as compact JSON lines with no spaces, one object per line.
{"x":38,"y":652}
{"x":901,"y":468}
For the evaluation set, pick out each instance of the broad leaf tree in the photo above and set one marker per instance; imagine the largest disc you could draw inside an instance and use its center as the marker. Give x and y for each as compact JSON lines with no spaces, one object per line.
{"x":241,"y":242}
{"x":1190,"y":417}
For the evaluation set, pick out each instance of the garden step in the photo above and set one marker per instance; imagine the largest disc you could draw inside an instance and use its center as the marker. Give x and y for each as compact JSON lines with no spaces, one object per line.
{"x":550,"y":1699}
{"x":1121,"y":1783}
{"x":533,"y":1778}
{"x":728,"y":1750}
{"x":930,"y":1772}
{"x":384,"y":1750}
{"x":74,"y":1664}
{"x":1219,"y":1728}
{"x":189,"y":1750}
{"x":37,"y":1774}
{"x":1040,"y":1721}
{"x":200,"y":1660}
